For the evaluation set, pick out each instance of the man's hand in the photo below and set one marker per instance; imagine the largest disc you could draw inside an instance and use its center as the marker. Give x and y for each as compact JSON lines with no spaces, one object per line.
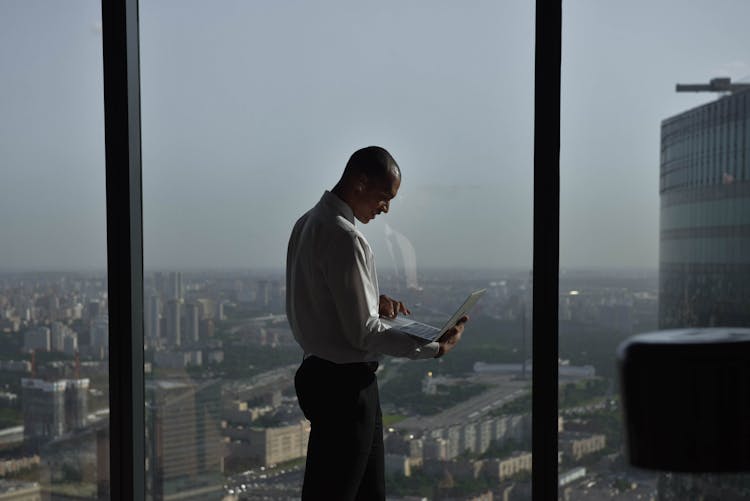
{"x":452,"y":336}
{"x":389,"y":308}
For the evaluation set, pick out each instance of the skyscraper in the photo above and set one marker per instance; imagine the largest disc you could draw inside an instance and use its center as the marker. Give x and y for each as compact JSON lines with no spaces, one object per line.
{"x":175,"y":285}
{"x":704,"y":263}
{"x":173,"y":314}
{"x":160,"y":283}
{"x":192,"y":322}
{"x":153,"y":318}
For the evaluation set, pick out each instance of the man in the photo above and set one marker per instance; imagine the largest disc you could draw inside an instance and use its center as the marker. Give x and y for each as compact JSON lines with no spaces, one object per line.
{"x":334,"y":308}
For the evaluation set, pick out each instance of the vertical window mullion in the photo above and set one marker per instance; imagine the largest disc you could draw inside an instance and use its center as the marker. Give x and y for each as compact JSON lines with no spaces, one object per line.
{"x":544,"y":403}
{"x":124,"y":247}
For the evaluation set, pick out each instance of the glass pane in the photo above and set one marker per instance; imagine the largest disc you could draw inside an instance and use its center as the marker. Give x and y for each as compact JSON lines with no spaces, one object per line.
{"x":654,"y":214}
{"x":251,"y":111}
{"x":54,"y":387}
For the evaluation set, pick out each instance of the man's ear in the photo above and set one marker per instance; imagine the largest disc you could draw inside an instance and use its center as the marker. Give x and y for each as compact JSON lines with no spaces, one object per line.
{"x":361,"y":183}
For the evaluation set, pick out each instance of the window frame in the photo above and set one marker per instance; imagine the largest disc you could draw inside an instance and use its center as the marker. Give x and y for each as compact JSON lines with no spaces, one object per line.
{"x":122,"y":139}
{"x":120,"y":24}
{"x":546,"y":261}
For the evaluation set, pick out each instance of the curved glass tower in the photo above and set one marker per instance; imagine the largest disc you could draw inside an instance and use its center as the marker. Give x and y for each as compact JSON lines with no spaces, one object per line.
{"x":704,"y":268}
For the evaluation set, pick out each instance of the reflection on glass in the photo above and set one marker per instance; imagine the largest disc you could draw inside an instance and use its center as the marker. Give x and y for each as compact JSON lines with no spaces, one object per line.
{"x":250,"y":112}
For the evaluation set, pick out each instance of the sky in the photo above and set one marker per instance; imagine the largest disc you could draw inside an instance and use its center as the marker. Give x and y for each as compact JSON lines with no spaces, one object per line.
{"x":251,"y":108}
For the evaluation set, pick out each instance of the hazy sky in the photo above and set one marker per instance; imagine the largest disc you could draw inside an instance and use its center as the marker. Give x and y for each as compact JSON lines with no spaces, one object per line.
{"x":251,"y":108}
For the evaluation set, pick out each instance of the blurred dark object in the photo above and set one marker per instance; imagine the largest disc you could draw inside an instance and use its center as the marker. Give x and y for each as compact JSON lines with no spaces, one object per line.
{"x":686,"y":399}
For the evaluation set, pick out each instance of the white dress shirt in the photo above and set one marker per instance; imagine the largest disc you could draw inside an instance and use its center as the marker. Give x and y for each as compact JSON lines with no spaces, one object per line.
{"x":332,"y":296}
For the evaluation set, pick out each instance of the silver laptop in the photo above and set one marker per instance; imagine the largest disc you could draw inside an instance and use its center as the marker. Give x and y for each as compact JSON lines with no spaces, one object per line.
{"x":428,"y":332}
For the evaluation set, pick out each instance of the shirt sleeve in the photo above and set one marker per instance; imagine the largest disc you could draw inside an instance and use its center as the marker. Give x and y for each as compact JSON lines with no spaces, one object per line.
{"x":355,"y":295}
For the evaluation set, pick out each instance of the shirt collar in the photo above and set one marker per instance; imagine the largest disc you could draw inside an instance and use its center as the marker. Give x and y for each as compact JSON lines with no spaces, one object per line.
{"x":333,"y":201}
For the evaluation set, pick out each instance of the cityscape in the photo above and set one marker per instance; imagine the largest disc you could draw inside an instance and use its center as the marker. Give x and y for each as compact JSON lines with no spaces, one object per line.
{"x":221,"y":416}
{"x":222,"y":421}
{"x":247,"y":112}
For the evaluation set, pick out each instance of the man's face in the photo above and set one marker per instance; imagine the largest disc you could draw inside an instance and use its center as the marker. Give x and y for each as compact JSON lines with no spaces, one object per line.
{"x":375,"y":197}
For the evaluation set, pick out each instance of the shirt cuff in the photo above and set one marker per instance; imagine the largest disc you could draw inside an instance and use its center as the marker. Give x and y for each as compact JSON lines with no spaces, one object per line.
{"x":428,"y":350}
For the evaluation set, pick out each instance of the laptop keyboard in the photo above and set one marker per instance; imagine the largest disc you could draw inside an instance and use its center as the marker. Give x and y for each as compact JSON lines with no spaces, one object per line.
{"x":421,"y":330}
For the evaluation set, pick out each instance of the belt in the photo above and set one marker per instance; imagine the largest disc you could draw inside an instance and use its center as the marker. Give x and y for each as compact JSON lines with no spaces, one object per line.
{"x":315,"y":360}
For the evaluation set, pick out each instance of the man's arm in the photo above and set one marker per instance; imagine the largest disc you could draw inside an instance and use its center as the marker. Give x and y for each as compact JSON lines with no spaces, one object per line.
{"x":390,"y":308}
{"x":347,"y":275}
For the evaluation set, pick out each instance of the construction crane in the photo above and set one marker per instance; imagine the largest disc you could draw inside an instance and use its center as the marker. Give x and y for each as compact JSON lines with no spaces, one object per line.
{"x":715,"y":85}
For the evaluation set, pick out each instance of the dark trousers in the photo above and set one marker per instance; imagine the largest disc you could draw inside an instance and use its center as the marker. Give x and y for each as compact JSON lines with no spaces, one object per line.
{"x":345,"y":458}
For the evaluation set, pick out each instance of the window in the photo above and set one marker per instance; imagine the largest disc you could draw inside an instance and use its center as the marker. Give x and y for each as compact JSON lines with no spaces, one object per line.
{"x":250,"y":111}
{"x":123,"y":155}
{"x":54,"y":334}
{"x":623,"y":272}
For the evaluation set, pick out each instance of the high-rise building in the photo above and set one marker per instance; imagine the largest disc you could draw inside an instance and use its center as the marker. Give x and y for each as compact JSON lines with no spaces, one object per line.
{"x":99,"y":337}
{"x":185,"y":454}
{"x":207,"y":328}
{"x":176,"y":289}
{"x":192,"y":322}
{"x":94,"y":309}
{"x":263,"y":295}
{"x":63,"y":338}
{"x":38,"y":338}
{"x":704,"y":262}
{"x":173,"y":314}
{"x":208,"y":307}
{"x":160,"y":283}
{"x":153,"y":318}
{"x":53,"y":408}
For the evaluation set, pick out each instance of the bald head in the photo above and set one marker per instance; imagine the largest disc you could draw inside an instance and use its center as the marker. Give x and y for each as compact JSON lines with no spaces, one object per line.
{"x":373,"y":162}
{"x":370,"y":181}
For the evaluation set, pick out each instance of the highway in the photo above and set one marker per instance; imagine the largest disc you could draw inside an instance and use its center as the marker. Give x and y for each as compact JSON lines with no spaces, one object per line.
{"x":504,"y":390}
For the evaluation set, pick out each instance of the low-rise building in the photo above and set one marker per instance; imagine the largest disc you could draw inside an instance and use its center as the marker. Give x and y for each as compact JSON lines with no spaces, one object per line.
{"x":570,"y":476}
{"x":177,"y":359}
{"x":10,"y":466}
{"x":576,"y":445}
{"x":8,"y":399}
{"x":15,"y":365}
{"x":476,"y":437}
{"x":11,"y":490}
{"x":505,"y":468}
{"x":267,"y":446}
